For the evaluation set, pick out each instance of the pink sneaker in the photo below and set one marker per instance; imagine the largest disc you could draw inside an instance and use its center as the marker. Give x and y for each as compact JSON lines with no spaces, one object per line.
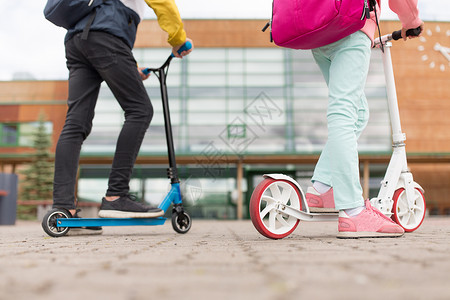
{"x":369,"y":223}
{"x":318,"y":202}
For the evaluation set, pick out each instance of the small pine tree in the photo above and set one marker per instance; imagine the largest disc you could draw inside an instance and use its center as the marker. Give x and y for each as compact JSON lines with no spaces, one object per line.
{"x":38,"y":177}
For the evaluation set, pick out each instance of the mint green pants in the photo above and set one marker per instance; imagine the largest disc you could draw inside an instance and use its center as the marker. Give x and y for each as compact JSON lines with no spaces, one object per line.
{"x":344,"y":65}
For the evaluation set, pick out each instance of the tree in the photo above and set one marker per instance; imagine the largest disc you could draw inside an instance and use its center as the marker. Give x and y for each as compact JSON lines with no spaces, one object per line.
{"x":38,"y":177}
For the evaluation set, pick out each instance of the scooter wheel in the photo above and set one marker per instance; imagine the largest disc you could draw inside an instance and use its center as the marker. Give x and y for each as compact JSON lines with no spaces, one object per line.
{"x":50,"y":220}
{"x":181,"y":222}
{"x":408,"y":217}
{"x":266,"y":219}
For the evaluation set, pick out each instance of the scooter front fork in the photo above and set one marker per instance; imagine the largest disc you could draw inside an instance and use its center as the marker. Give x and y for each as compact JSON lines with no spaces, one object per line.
{"x":396,"y":173}
{"x":178,"y":208}
{"x":397,"y":176}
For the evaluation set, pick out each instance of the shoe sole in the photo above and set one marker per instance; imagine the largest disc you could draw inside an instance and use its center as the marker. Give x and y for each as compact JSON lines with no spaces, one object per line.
{"x":83,"y":231}
{"x":117,"y":214}
{"x":366,"y":234}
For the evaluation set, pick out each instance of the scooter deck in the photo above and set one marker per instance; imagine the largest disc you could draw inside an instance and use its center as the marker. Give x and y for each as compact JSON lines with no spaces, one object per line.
{"x":92,"y":222}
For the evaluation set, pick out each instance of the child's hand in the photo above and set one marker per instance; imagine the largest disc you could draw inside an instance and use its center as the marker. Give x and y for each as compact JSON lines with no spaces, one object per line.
{"x":410,"y":37}
{"x":184,"y":53}
{"x":143,"y":76}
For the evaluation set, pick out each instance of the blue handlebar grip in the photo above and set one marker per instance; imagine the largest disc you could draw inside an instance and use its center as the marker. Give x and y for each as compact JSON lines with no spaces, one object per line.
{"x":146,"y":71}
{"x":186,"y":46}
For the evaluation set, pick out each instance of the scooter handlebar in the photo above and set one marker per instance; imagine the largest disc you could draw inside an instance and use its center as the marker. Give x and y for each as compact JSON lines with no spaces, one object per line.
{"x":396,"y":35}
{"x":185,"y":47}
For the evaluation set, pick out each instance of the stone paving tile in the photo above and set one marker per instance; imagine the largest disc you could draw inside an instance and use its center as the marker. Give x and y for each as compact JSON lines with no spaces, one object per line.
{"x":224,"y":260}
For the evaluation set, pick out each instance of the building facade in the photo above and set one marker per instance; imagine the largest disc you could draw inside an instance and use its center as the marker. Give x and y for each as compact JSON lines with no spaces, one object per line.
{"x":242,"y":107}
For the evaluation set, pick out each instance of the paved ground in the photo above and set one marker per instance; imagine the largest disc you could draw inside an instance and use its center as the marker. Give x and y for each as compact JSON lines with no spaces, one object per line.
{"x":224,"y":260}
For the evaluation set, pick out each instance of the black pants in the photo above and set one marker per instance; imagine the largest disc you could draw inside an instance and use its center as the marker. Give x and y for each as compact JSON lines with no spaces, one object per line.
{"x":102,"y":57}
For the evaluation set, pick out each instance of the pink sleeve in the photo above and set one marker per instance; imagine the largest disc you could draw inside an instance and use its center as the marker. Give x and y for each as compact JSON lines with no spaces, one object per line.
{"x":407,"y":12}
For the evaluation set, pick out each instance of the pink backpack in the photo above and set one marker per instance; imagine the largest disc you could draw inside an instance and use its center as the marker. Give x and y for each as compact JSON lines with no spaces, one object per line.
{"x":308,"y":24}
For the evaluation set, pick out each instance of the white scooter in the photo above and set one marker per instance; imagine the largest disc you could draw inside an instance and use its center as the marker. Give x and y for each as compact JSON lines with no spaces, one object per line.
{"x":278,"y":203}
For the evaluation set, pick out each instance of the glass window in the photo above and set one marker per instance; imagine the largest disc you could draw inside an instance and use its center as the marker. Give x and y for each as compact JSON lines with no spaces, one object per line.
{"x":21,"y":134}
{"x":279,"y":94}
{"x":9,"y":134}
{"x":92,"y":190}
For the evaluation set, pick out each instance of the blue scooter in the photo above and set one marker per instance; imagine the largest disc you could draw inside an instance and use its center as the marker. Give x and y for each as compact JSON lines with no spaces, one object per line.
{"x":58,"y":221}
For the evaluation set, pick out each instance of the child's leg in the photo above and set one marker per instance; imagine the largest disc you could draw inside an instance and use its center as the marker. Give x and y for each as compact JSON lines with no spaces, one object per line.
{"x":347,"y":115}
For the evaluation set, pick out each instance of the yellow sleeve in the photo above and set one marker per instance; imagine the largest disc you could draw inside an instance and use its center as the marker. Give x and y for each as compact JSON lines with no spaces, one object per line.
{"x":169,"y":20}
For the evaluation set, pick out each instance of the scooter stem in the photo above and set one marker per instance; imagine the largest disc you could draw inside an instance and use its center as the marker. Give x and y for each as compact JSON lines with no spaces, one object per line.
{"x":173,"y":173}
{"x":398,"y":136}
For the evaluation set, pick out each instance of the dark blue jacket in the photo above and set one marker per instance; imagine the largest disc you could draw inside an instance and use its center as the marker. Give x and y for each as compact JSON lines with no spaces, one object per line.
{"x":112,"y":17}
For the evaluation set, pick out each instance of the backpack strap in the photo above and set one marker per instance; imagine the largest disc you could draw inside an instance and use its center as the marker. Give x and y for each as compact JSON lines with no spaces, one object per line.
{"x":86,"y":29}
{"x":373,"y":4}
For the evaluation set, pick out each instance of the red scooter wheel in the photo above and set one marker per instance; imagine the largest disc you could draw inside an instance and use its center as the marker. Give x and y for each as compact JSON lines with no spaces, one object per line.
{"x":263,"y":208}
{"x":408,"y":216}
